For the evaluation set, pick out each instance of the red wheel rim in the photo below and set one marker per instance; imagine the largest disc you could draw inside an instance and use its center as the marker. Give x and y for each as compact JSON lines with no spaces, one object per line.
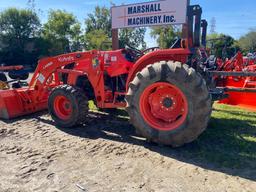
{"x":163,"y":106}
{"x":62,"y":107}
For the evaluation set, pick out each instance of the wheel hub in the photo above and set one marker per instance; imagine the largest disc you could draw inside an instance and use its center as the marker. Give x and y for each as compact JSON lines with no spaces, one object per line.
{"x":62,"y":107}
{"x":164,"y":106}
{"x":67,"y":106}
{"x":167,"y":102}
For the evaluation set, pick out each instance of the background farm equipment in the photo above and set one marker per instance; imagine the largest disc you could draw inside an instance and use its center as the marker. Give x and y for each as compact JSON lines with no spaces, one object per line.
{"x":13,"y":76}
{"x":3,"y":69}
{"x":237,"y":77}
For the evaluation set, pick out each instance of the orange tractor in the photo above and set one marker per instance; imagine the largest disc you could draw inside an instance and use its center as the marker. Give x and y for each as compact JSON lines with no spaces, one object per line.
{"x":166,"y":92}
{"x":167,"y":100}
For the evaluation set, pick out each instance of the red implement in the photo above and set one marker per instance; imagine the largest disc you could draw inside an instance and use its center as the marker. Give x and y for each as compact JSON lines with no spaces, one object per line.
{"x":241,"y":89}
{"x":17,"y":102}
{"x":9,"y":68}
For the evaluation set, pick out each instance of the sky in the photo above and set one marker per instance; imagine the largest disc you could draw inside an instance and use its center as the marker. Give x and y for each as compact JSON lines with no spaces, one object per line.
{"x":233,"y":17}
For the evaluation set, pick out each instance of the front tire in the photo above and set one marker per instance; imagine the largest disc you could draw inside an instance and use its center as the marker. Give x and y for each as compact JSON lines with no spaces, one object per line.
{"x":169,"y":103}
{"x":68,"y":106}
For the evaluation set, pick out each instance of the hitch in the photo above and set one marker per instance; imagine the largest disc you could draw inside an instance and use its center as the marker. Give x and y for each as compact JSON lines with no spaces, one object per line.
{"x":218,"y":94}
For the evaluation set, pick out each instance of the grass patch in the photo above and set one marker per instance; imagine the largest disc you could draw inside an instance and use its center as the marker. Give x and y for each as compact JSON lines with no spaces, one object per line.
{"x":229,"y":141}
{"x":92,"y":106}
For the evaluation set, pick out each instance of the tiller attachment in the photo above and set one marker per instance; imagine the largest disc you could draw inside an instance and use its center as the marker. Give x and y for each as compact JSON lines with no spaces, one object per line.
{"x":244,"y":100}
{"x":238,"y":77}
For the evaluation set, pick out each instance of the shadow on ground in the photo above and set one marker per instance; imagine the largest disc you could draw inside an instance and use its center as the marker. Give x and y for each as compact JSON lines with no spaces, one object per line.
{"x":221,"y":148}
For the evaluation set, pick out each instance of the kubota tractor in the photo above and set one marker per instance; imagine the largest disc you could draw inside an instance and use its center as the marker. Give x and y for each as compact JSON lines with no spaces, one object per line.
{"x":165,"y":95}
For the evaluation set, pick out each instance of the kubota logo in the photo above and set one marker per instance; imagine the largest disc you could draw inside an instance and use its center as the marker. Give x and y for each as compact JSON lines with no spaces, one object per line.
{"x":66,"y":59}
{"x":48,"y":65}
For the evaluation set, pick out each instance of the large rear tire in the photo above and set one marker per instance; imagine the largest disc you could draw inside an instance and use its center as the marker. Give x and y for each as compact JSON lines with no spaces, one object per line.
{"x":68,"y":106}
{"x":169,"y":103}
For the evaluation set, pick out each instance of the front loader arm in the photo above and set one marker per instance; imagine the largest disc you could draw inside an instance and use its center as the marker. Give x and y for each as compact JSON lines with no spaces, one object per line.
{"x":48,"y":66}
{"x":47,"y":73}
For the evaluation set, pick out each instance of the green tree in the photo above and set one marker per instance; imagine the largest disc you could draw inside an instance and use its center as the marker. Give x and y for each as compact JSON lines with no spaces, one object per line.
{"x":97,"y":39}
{"x":98,"y":32}
{"x":100,"y":19}
{"x":165,"y":36}
{"x":248,"y":42}
{"x":19,"y":32}
{"x":63,"y":32}
{"x":132,"y":37}
{"x":222,"y":46}
{"x":98,"y":29}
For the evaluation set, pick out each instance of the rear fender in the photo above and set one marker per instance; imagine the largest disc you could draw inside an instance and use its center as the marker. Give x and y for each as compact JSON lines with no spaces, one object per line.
{"x":180,"y":55}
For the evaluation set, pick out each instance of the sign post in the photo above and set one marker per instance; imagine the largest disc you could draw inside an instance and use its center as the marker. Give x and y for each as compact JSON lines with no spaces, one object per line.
{"x":115,"y":40}
{"x":154,"y":13}
{"x":185,"y":25}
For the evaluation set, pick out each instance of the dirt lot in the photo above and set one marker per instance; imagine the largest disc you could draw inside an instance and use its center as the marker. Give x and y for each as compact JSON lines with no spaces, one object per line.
{"x":105,"y":155}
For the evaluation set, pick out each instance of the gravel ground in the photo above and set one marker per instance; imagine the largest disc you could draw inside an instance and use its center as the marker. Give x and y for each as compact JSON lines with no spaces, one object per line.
{"x":103,"y":155}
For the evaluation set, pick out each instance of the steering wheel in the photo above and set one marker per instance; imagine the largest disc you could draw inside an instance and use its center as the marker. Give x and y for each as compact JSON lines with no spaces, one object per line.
{"x":134,"y":53}
{"x":149,"y":50}
{"x":137,"y":51}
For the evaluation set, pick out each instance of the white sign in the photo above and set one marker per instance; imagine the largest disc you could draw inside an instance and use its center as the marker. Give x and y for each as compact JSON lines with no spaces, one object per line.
{"x":41,"y":78}
{"x":164,"y":12}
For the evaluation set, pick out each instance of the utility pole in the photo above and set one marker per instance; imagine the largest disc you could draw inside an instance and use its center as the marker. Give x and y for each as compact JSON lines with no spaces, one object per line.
{"x":213,"y":26}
